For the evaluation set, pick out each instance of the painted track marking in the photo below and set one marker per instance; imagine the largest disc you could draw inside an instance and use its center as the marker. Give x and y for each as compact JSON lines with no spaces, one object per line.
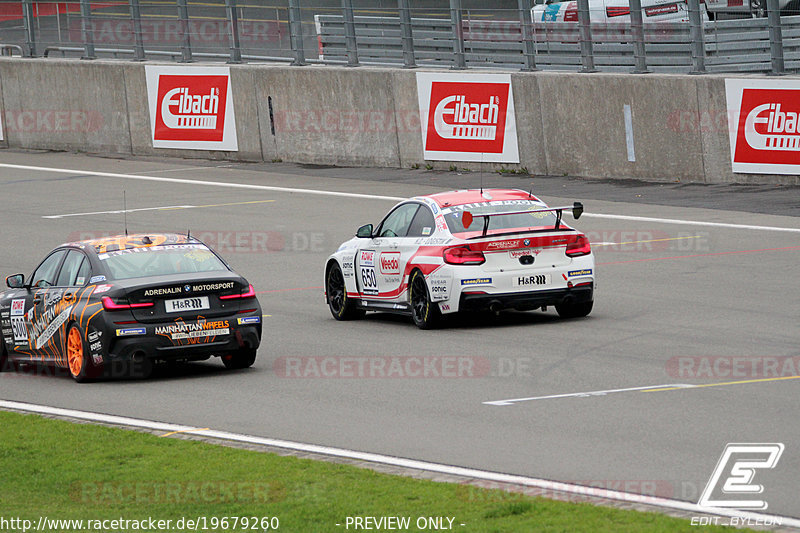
{"x":201,"y":182}
{"x":652,"y":388}
{"x":784,"y":249}
{"x":366,"y":196}
{"x":742,"y":382}
{"x":640,"y":242}
{"x":162,"y":208}
{"x":569,"y":488}
{"x":171,"y":433}
{"x":588,"y":394}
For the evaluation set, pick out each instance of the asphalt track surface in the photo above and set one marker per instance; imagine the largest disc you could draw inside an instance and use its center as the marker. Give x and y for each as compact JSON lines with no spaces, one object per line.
{"x":676,"y":303}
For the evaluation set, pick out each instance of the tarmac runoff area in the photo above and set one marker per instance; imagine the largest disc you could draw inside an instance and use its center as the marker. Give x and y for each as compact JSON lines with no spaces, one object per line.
{"x":692,"y":343}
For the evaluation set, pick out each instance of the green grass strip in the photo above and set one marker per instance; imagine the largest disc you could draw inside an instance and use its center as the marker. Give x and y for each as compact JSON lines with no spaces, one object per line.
{"x":62,"y":470}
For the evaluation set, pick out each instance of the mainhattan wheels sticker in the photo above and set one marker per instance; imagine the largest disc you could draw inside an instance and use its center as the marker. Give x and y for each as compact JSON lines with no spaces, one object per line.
{"x":763,"y":124}
{"x":191,"y":108}
{"x":467,"y":117}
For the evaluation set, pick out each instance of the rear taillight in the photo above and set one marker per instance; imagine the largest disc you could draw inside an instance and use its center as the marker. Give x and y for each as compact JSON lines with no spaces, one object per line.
{"x":462,"y":255}
{"x":580,"y":246}
{"x":122,"y":303}
{"x":618,"y":11}
{"x":251,"y":293}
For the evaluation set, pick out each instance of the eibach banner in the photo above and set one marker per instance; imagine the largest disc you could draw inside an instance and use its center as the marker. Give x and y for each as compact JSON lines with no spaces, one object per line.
{"x":191,"y":108}
{"x":467,"y":117}
{"x":764,"y":129}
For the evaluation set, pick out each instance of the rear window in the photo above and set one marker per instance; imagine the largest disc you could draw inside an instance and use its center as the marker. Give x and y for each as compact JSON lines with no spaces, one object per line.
{"x":161,"y":260}
{"x":523,"y":220}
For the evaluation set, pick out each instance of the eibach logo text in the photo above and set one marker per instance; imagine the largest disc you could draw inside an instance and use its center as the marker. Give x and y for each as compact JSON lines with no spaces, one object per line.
{"x":765,"y":134}
{"x":191,"y":107}
{"x":467,"y":117}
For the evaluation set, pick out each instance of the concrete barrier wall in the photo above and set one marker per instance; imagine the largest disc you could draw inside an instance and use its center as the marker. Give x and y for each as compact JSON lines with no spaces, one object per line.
{"x":567,"y":123}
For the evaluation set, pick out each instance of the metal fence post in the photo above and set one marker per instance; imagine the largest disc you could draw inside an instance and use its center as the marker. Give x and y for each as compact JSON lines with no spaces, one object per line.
{"x":697,"y":36}
{"x":30,"y":31}
{"x":775,"y":38}
{"x":587,"y":52}
{"x":87,"y":29}
{"x":406,"y":34}
{"x":350,"y":33}
{"x":233,"y":20}
{"x":136,"y":17}
{"x":186,"y":42}
{"x":637,"y":32}
{"x":296,"y":34}
{"x":527,"y":39}
{"x":457,"y":23}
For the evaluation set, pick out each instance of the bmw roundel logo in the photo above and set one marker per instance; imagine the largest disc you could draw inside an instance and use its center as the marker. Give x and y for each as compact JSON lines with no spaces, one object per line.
{"x":187,"y":288}
{"x":526,"y":242}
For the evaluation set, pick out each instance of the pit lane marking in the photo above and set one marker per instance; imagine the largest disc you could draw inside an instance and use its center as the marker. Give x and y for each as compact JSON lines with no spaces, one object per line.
{"x":162,"y":208}
{"x":670,"y":386}
{"x":366,"y":196}
{"x":653,"y":388}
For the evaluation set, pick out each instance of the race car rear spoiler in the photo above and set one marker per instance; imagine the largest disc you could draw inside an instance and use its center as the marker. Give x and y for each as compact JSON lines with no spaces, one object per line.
{"x":576,"y":207}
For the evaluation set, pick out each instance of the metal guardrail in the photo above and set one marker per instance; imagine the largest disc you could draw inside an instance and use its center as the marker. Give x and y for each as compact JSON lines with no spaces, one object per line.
{"x":444,"y":35}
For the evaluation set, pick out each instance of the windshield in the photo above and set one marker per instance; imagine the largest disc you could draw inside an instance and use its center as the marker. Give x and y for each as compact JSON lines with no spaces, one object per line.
{"x":161,"y":260}
{"x":520,"y":222}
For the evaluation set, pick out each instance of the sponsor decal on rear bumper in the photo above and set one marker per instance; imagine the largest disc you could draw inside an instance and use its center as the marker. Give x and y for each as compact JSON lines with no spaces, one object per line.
{"x":583,"y":272}
{"x":194,"y":330}
{"x":476,"y":281}
{"x":131,"y":331}
{"x":249,"y":320}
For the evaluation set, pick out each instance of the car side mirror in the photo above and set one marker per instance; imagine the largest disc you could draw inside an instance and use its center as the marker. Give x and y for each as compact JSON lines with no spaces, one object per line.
{"x":364,"y":231}
{"x":577,"y":210}
{"x":17,"y":281}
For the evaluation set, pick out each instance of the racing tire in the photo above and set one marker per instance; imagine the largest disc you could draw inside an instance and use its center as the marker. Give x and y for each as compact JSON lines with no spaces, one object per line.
{"x":243,"y":358}
{"x":425,"y":313}
{"x":342,"y":308}
{"x":79,"y":361}
{"x":574,"y":310}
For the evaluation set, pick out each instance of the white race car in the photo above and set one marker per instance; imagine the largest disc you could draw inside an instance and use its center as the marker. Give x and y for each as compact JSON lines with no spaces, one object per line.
{"x":464,"y":250}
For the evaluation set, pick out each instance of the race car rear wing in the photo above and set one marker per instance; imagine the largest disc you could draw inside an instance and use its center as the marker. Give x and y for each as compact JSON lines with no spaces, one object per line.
{"x":576,"y":207}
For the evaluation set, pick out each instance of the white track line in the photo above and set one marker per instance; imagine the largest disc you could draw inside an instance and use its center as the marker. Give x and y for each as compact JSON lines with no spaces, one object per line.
{"x":201,"y":182}
{"x":367,"y":196}
{"x":498,"y":477}
{"x":692,"y":222}
{"x":120,"y":211}
{"x":588,"y":394}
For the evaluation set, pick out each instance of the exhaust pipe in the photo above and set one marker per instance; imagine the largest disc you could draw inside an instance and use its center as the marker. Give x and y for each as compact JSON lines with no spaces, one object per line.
{"x":495,"y":306}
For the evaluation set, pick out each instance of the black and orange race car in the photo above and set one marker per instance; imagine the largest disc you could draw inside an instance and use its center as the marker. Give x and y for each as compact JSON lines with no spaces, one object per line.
{"x":121,"y":304}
